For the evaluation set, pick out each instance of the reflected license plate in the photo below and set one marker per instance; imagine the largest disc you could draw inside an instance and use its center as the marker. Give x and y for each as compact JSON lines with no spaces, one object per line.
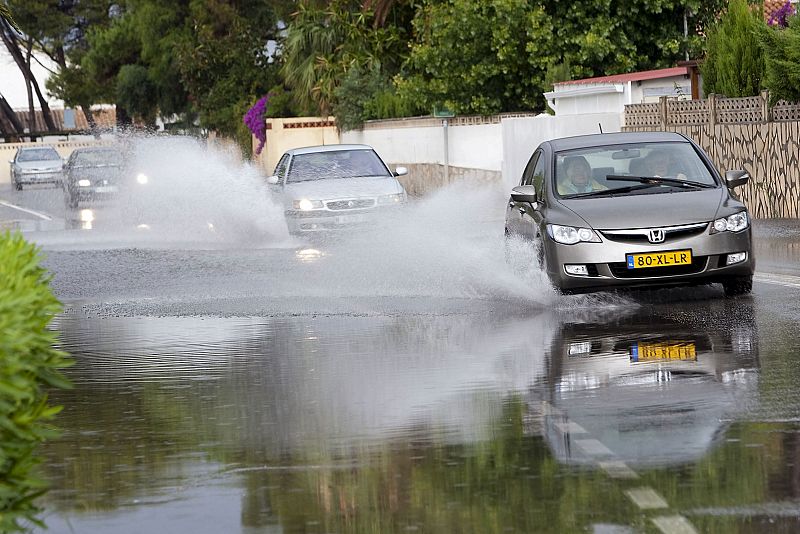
{"x":350,"y":219}
{"x":105,"y":189}
{"x":651,"y":352}
{"x":659,"y":259}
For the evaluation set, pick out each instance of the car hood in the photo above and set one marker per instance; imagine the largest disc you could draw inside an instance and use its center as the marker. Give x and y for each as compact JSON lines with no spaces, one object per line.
{"x":331,"y":189}
{"x":644,"y":211}
{"x":43,"y":164}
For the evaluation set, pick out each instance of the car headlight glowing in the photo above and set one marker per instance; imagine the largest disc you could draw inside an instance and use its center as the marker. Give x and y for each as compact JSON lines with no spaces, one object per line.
{"x":84,"y":183}
{"x":569,"y":235}
{"x":392,"y":199}
{"x":142,"y":178}
{"x":733,"y":223}
{"x":305,"y":205}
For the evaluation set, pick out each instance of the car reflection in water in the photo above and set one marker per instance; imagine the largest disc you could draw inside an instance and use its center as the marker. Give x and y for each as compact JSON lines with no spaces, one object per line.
{"x":622,"y":392}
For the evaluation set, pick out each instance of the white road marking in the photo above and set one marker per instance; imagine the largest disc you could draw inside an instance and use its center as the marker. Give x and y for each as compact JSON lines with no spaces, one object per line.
{"x":592,"y":447}
{"x":646,"y":498}
{"x":786,"y":280}
{"x":570,"y":428}
{"x":26,"y":210}
{"x":618,"y":469}
{"x":674,"y":524}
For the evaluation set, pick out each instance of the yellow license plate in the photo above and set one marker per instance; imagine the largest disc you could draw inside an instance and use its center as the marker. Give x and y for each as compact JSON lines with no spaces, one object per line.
{"x":659,"y":259}
{"x":650,"y":352}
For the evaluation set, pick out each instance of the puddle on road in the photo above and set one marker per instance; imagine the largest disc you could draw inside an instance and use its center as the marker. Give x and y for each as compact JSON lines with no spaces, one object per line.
{"x":438,"y":424}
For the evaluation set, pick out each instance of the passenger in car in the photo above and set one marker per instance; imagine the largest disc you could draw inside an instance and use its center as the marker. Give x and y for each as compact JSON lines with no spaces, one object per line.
{"x":659,"y":163}
{"x":578,"y":177}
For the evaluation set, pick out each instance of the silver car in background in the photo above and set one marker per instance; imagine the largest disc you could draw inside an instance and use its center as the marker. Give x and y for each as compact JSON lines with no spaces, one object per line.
{"x":36,"y":165}
{"x":632,"y":210}
{"x":335,"y":186}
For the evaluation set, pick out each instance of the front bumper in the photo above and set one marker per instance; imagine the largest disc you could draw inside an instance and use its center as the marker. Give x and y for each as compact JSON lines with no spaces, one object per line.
{"x":607,"y":266}
{"x":324,"y":220}
{"x":29,"y":178}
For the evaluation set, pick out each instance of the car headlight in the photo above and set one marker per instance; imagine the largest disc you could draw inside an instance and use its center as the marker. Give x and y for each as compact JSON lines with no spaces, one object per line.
{"x":569,"y":235}
{"x":733,"y":223}
{"x":84,"y":183}
{"x":142,"y":178}
{"x":392,"y":199}
{"x":305,"y":205}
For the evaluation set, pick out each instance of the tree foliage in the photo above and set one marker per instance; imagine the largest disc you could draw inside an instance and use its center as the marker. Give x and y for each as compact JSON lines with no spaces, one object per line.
{"x":488,"y":56}
{"x":734,"y":64}
{"x":782,"y":60}
{"x":324,"y":42}
{"x":28,"y":366}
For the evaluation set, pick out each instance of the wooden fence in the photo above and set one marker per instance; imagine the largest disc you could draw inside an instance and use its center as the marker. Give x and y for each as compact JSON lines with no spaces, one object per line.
{"x":738,"y":133}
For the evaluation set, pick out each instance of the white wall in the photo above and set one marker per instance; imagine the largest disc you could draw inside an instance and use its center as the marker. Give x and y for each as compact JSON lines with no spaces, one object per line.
{"x":474,"y":146}
{"x":504,"y":147}
{"x":521,"y":136}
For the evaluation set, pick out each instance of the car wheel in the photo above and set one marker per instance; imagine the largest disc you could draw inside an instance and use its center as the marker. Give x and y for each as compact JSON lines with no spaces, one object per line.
{"x":740,"y":285}
{"x":17,"y":186}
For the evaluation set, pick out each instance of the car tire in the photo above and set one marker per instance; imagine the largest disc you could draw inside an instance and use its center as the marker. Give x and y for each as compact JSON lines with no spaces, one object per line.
{"x":737,"y":286}
{"x":17,"y":186}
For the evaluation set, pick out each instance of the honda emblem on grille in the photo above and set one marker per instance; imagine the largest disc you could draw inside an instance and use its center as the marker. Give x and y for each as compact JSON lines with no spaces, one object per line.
{"x":350,"y":203}
{"x":656,"y":235}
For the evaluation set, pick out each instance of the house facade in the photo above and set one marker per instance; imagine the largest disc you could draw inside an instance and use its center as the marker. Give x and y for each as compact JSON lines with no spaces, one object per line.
{"x":606,"y":94}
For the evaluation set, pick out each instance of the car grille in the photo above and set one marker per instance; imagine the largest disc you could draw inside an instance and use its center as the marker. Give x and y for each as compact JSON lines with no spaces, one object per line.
{"x":641,"y":235}
{"x":620,"y":269}
{"x":351,"y":204}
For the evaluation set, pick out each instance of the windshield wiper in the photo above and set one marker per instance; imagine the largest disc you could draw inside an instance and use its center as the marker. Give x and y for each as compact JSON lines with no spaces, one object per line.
{"x":612,"y":192}
{"x":657,"y":180}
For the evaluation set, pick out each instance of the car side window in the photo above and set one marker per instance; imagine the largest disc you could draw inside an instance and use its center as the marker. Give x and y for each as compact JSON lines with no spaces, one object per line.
{"x":280,"y":168}
{"x":538,"y":177}
{"x":527,"y":175}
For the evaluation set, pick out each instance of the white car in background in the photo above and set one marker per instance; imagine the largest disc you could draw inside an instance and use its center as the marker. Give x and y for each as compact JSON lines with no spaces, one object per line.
{"x":335,"y":186}
{"x":36,"y":165}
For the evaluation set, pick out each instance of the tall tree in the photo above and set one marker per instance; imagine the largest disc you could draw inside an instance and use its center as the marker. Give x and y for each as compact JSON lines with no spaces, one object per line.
{"x":734,"y":64}
{"x":782,"y":59}
{"x":324,"y":42}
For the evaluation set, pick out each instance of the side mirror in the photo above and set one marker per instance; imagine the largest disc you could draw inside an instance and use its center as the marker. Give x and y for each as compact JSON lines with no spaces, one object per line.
{"x":524,"y":193}
{"x":400,"y":171}
{"x":272,"y":180}
{"x":736,"y":178}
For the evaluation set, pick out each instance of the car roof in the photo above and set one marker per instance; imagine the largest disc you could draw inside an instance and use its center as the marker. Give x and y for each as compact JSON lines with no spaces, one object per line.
{"x":42,"y":147}
{"x":326,"y":148}
{"x":618,"y":138}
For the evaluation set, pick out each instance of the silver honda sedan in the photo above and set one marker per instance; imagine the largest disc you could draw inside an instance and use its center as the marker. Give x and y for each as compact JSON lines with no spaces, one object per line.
{"x":632,"y":210}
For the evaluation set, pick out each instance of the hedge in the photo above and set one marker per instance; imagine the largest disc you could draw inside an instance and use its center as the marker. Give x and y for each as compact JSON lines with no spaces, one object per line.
{"x":29,"y":366}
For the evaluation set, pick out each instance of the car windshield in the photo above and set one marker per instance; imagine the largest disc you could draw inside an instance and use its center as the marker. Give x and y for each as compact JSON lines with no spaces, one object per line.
{"x":38,"y":154}
{"x":335,"y":164}
{"x":639,"y":168}
{"x":98,"y":157}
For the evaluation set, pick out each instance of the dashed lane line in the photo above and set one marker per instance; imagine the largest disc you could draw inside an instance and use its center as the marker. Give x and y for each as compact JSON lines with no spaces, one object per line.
{"x":43,"y":216}
{"x":646,"y":498}
{"x":785,"y":280}
{"x":674,"y":524}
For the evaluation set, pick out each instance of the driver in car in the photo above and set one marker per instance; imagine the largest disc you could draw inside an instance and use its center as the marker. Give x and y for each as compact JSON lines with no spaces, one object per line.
{"x":578,"y":177}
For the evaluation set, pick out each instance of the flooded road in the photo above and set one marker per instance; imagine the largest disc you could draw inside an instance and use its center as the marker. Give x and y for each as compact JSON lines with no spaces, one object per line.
{"x":403,"y":378}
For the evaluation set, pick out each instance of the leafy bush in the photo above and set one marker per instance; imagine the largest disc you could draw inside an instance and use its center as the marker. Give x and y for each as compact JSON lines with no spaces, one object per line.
{"x":782,"y":55}
{"x":29,"y":364}
{"x":734,"y":64}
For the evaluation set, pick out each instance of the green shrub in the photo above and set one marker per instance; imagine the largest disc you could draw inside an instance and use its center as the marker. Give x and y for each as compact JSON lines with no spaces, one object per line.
{"x":782,"y":55}
{"x":734,"y":63}
{"x":29,"y":364}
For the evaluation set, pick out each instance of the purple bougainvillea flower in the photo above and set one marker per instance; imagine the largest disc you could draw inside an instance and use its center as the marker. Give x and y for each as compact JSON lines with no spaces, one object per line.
{"x":780,"y":17}
{"x":255,"y":121}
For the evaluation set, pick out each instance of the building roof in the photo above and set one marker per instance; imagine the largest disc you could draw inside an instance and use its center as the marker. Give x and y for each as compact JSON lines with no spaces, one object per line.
{"x":631,"y":76}
{"x":105,"y":118}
